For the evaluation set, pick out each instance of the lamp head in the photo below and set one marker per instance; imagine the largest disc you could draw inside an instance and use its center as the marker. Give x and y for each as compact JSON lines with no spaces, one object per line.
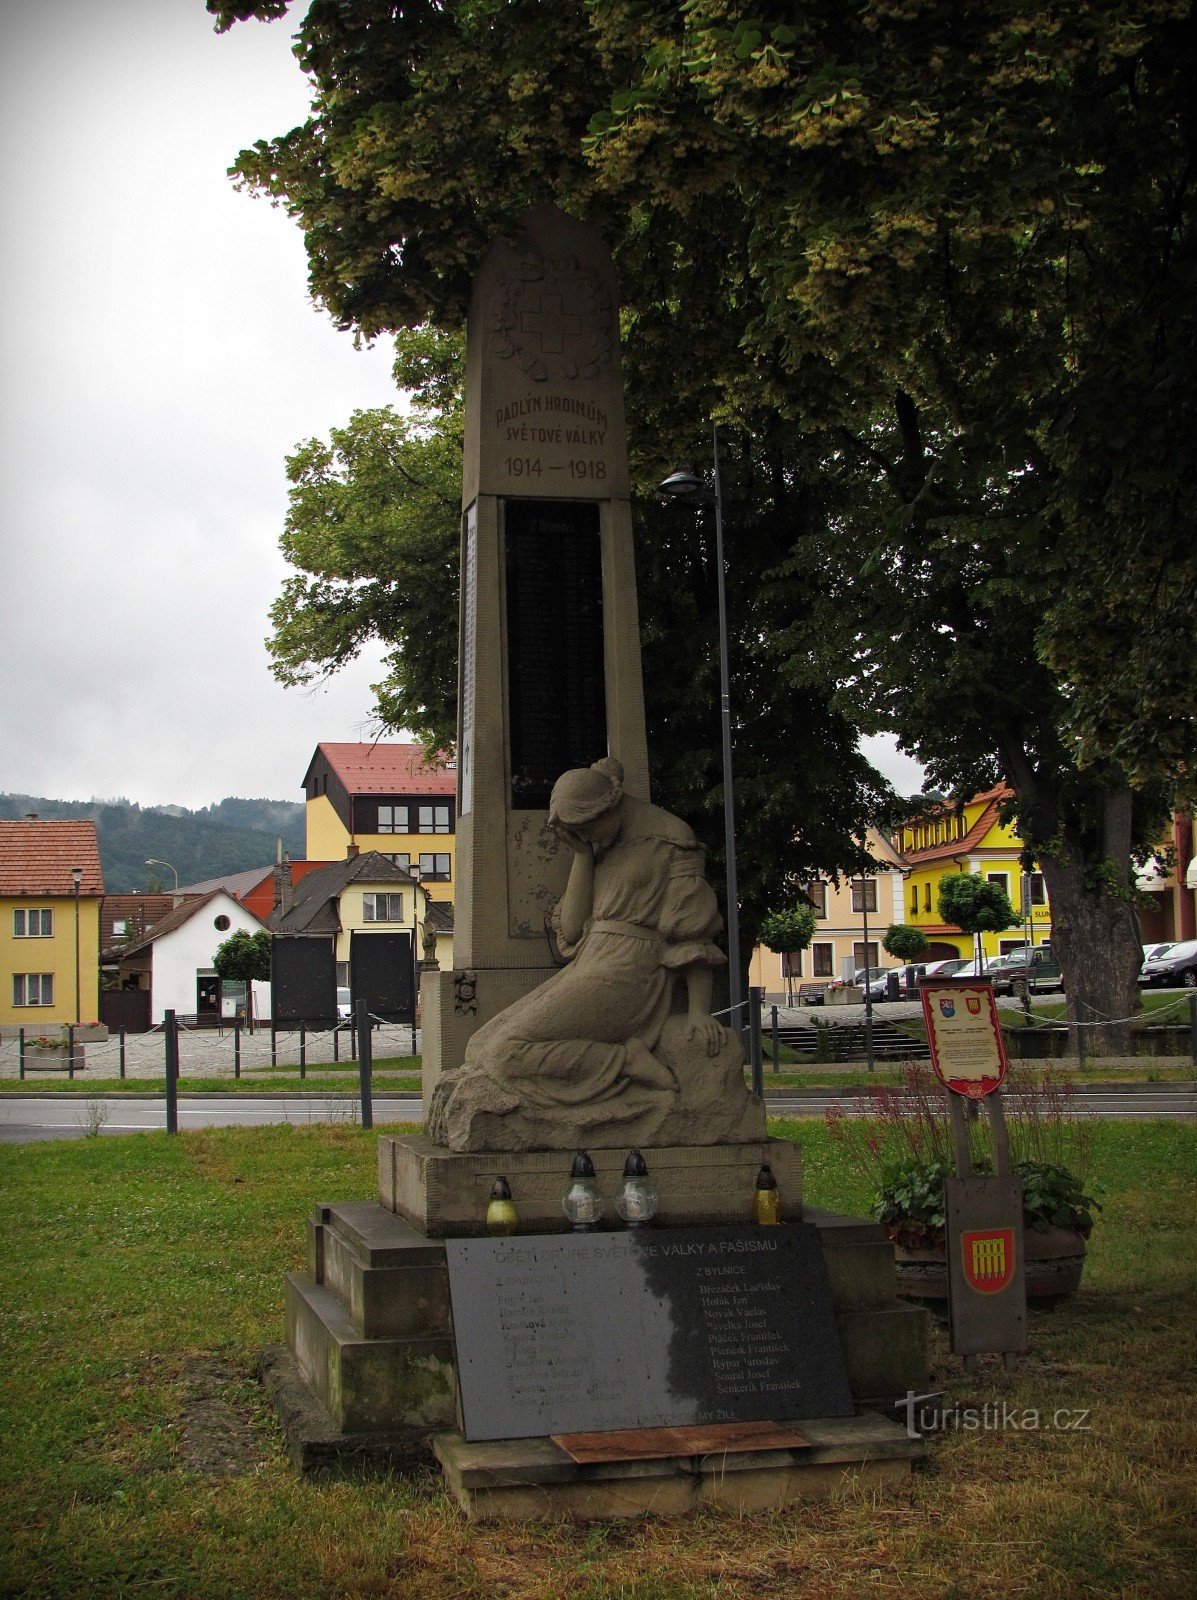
{"x":682,"y":486}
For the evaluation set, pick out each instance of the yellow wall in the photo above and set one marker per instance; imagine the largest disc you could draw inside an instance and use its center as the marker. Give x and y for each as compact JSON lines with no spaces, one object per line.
{"x":353,"y":916}
{"x":56,"y":955}
{"x":998,"y":851}
{"x":328,"y":840}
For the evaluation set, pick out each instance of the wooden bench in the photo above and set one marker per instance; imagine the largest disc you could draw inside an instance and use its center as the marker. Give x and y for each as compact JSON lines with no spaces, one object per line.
{"x":811,"y":994}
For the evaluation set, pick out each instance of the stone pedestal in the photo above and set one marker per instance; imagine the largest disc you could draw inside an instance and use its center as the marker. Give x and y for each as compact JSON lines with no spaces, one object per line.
{"x":368,"y":1378}
{"x":444,"y":1195}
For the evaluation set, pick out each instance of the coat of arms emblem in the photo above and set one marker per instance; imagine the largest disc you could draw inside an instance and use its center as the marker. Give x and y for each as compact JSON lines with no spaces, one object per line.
{"x":988,"y":1259}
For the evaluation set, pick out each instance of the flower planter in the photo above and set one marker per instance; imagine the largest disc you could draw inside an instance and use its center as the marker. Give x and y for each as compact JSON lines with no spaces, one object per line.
{"x":49,"y":1058}
{"x":91,"y":1033}
{"x":1054,"y":1262}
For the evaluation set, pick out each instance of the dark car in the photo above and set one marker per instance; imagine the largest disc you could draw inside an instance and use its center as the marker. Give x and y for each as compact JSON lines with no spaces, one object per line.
{"x":1173,"y":967}
{"x":1037,"y":968}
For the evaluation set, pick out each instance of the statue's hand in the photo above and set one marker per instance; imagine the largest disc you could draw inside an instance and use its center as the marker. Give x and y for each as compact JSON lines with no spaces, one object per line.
{"x":576,"y":841}
{"x":706,"y":1031}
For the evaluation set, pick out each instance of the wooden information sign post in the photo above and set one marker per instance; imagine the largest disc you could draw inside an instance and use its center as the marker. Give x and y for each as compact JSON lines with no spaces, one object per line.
{"x":987,"y":1295}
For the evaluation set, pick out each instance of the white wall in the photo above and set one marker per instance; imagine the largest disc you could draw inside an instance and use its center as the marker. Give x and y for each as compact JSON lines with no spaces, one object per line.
{"x":180,"y":955}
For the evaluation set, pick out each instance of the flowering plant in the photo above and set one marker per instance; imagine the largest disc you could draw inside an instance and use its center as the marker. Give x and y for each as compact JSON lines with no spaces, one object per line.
{"x":904,"y":1147}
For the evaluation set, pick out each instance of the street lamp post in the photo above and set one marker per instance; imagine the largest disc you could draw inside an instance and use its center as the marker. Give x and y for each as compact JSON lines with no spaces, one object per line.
{"x":686,"y":486}
{"x":76,"y":881}
{"x":153,"y":861}
{"x":868,"y":988}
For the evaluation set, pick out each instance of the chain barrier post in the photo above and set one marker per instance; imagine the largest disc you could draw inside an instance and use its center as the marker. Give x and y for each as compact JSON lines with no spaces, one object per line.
{"x":21,"y":1053}
{"x":70,"y":1050}
{"x":236,"y":1047}
{"x":365,"y":1062}
{"x":273,"y":1044}
{"x":303,"y":1049}
{"x":776,"y":1042}
{"x":755,"y":996}
{"x":337,"y":1040}
{"x":121,"y":1037}
{"x":171,"y":1035}
{"x":1080,"y":1041}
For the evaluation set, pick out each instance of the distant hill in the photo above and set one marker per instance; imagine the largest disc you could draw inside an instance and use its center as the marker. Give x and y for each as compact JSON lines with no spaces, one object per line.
{"x":227,"y":837}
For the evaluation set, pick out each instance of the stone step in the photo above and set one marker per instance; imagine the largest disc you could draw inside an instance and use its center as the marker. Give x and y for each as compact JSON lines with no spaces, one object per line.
{"x":535,"y":1478}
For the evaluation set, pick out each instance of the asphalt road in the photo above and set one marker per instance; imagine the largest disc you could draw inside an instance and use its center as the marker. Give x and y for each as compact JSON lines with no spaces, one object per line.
{"x":26,"y":1118}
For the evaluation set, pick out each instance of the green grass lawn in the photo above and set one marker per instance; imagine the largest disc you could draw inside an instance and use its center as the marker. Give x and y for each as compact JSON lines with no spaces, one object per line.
{"x":144,"y":1274}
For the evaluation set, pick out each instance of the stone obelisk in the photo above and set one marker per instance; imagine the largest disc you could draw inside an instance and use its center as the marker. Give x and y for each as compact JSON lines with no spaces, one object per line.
{"x":549,"y":658}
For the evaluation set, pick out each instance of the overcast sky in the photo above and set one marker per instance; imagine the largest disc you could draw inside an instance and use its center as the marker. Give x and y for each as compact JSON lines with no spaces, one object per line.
{"x":160,"y":358}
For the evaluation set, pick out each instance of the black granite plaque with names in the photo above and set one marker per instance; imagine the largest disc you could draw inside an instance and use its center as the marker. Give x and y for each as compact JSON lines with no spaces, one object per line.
{"x":571,"y":1333}
{"x":557,"y":707}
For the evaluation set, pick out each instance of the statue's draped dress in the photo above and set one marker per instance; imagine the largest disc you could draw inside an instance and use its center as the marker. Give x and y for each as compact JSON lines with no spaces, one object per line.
{"x":589,"y":1032}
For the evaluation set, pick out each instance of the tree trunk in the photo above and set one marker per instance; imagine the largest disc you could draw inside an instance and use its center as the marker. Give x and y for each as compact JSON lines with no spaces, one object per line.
{"x":1095,"y":938}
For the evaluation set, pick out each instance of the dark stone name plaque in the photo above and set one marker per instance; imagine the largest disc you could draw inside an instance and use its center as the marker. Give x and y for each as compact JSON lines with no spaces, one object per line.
{"x":557,"y":705}
{"x":573,"y":1333}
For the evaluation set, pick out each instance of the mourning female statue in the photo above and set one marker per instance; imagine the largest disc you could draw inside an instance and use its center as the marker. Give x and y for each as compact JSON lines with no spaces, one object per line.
{"x":619,"y":1047}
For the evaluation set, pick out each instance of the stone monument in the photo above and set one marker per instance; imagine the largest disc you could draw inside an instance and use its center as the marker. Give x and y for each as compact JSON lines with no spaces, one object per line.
{"x":578,"y":1012}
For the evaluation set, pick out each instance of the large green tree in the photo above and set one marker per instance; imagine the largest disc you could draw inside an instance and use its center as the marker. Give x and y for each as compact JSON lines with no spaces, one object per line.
{"x":937,"y":264}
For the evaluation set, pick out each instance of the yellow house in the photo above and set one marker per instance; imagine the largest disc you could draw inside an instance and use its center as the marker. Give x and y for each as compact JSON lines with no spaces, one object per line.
{"x":969,"y":837}
{"x":384,"y":797}
{"x":51,"y":887}
{"x":363,"y":895}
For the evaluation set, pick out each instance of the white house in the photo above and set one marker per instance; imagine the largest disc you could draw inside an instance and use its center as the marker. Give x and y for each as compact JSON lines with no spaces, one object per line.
{"x":174,"y":960}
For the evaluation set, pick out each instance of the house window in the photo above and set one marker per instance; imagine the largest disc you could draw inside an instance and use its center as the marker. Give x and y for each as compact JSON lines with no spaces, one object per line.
{"x":120,"y":928}
{"x":33,"y":988}
{"x":864,"y":895}
{"x":866,"y":955}
{"x":382,"y":908}
{"x":822,"y":960}
{"x":37,"y":924}
{"x":433,"y":819}
{"x":221,"y":923}
{"x":434,"y":868}
{"x":401,"y":858}
{"x":816,"y":893}
{"x":926,"y":897}
{"x":1038,"y":889}
{"x":914,"y":902}
{"x":1002,"y":879}
{"x":791,"y":963}
{"x":342,"y":974}
{"x":393,"y":819}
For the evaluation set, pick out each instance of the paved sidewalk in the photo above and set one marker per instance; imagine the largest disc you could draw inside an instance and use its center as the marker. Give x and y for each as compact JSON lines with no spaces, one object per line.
{"x":210,"y":1052}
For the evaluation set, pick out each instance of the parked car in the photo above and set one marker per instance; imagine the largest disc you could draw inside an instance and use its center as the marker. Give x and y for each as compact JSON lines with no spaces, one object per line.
{"x":908,"y":981}
{"x":1037,"y":968}
{"x":944,"y":969}
{"x":344,"y":1005}
{"x":1176,"y":966}
{"x":1150,"y":951}
{"x":991,"y":970}
{"x":858,"y":978}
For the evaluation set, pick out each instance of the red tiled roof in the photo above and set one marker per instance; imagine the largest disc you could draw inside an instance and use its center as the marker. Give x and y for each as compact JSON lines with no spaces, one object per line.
{"x":37,"y":857}
{"x":989,"y":801}
{"x":388,"y":769}
{"x":137,"y":911}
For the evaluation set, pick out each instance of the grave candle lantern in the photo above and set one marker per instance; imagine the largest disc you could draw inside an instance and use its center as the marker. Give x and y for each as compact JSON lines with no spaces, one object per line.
{"x":637,"y":1202}
{"x":766,"y":1202}
{"x":582,"y":1202}
{"x":502,"y":1219}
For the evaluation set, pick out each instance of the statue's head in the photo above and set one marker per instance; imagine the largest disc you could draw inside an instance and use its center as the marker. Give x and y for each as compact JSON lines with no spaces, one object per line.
{"x":585,"y":794}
